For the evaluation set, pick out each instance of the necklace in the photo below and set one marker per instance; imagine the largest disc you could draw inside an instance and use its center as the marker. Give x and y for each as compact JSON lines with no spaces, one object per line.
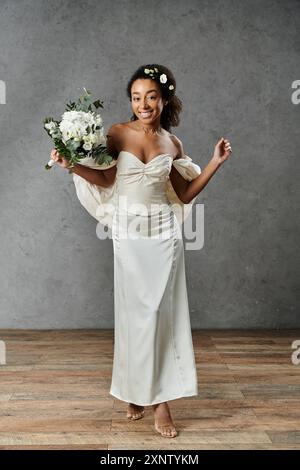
{"x":150,"y":130}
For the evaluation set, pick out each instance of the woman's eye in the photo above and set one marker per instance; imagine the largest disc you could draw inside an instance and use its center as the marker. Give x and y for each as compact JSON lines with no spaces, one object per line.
{"x":151,"y":97}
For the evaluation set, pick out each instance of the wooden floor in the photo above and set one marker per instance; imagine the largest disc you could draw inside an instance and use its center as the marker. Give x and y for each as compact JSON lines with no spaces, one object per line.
{"x":54,"y":393}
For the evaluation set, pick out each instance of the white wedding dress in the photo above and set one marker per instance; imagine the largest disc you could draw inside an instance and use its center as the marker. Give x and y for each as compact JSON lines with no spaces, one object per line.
{"x":153,"y":350}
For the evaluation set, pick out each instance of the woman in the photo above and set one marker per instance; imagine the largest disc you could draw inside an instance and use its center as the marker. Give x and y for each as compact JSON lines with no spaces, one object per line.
{"x":153,"y":352}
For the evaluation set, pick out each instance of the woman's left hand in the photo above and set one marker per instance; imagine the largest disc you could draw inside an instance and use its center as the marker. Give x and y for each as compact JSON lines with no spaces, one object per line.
{"x":222,"y":151}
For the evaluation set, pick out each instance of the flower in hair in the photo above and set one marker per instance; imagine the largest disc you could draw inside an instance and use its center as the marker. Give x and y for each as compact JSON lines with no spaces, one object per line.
{"x":154,"y":73}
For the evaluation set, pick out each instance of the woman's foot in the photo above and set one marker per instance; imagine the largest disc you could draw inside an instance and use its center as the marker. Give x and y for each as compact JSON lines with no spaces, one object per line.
{"x":135,"y":411}
{"x":163,"y":421}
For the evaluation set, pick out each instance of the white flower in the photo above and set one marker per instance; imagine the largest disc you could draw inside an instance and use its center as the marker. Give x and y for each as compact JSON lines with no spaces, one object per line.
{"x":163,"y":78}
{"x":171,"y":87}
{"x":146,"y":70}
{"x":87,"y":146}
{"x":99,"y":119}
{"x":76,"y":124}
{"x":80,"y":126}
{"x":50,"y":126}
{"x":90,"y":139}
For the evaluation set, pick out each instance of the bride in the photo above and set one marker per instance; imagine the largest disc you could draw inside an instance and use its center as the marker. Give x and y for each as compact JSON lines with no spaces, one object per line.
{"x":153,"y":351}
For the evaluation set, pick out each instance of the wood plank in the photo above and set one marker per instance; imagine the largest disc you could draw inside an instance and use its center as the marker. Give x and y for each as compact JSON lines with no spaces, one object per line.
{"x":54,"y":393}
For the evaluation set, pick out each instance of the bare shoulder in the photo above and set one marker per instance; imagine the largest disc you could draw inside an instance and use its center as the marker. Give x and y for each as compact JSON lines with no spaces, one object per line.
{"x":119,"y":129}
{"x":114,"y":139}
{"x":178,"y":144}
{"x":115,"y":130}
{"x":175,"y":140}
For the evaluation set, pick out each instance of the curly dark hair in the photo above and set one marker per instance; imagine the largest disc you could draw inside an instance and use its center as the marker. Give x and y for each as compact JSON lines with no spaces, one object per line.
{"x":170,"y":113}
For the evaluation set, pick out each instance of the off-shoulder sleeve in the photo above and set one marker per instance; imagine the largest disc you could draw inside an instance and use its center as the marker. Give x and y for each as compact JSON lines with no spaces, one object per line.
{"x":189,"y":171}
{"x":99,"y":201}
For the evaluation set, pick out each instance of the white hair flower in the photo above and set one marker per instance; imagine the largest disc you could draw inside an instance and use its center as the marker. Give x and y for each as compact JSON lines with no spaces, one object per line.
{"x":163,"y":78}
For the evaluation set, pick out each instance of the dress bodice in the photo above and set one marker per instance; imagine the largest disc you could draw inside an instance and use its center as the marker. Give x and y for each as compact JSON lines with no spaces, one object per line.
{"x":155,"y":167}
{"x":142,"y":186}
{"x":140,"y":183}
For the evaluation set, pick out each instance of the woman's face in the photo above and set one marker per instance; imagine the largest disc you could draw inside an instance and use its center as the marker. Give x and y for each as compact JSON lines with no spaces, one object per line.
{"x":146,"y":100}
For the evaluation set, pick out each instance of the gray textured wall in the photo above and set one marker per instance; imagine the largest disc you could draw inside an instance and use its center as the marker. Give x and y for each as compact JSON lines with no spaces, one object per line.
{"x":234,"y":62}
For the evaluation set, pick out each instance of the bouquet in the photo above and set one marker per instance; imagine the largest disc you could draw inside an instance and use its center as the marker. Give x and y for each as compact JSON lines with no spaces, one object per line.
{"x":80,"y":133}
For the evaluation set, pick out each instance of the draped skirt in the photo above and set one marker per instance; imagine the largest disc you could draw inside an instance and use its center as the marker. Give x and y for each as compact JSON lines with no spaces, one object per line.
{"x":154,"y":357}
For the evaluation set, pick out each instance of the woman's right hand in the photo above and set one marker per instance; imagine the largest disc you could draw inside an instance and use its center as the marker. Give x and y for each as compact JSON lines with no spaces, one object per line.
{"x":59,"y":159}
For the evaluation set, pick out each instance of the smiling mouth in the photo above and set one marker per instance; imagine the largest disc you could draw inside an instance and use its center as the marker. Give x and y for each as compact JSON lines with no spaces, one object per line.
{"x":145,"y":115}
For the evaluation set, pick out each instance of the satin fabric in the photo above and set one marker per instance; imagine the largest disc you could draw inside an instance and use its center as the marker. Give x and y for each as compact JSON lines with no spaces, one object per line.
{"x":101,"y":201}
{"x":154,"y":357}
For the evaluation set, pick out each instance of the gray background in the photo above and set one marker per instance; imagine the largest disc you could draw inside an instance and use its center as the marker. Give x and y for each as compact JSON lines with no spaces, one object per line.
{"x":234,"y":63}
